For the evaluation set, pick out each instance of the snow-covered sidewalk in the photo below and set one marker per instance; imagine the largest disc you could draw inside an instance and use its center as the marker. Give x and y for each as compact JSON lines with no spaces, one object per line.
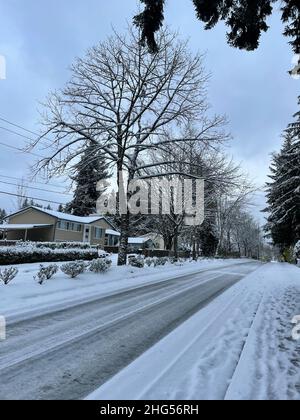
{"x":238,"y":347}
{"x":24,"y":294}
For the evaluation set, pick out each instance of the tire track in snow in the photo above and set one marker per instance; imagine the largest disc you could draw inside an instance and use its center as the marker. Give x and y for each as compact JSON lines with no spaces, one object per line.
{"x":51,"y":344}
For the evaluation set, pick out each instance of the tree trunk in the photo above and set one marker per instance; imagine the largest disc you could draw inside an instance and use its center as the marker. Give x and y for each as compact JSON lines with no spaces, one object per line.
{"x":123,"y":249}
{"x":175,"y":242}
{"x":168,"y":243}
{"x":194,"y":249}
{"x":240,"y":251}
{"x":219,"y":244}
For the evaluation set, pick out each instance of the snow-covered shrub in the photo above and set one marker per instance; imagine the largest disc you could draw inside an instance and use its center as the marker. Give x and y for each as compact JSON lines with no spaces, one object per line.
{"x":8,"y":274}
{"x":57,"y":245}
{"x":136,"y":261}
{"x":161,"y":261}
{"x":173,"y":260}
{"x":101,"y":265}
{"x":73,"y":269}
{"x":296,"y":253}
{"x":46,"y":273}
{"x":297,"y":250}
{"x":149,"y":262}
{"x":29,"y":253}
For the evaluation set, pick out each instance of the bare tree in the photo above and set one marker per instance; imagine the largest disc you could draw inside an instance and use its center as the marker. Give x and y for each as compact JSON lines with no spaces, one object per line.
{"x":229,"y":204}
{"x":122,"y":99}
{"x":246,"y":235}
{"x":196,"y":160}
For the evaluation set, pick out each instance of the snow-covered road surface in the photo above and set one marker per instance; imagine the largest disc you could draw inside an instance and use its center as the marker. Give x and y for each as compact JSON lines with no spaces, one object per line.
{"x":239,"y":347}
{"x":71,"y":351}
{"x":24,"y":297}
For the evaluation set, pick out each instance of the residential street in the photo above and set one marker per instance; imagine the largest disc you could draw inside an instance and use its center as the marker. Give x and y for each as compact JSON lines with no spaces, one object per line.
{"x":69,"y":353}
{"x":244,"y":345}
{"x":150,"y":202}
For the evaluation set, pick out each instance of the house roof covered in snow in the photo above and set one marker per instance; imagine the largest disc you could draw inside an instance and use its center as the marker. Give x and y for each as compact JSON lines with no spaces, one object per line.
{"x":71,"y":217}
{"x":112,"y":232}
{"x":64,"y":216}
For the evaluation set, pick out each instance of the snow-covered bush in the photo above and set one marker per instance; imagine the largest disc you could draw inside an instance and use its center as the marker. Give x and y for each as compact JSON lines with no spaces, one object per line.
{"x":136,"y":261}
{"x":46,"y":273}
{"x":8,"y":274}
{"x":149,"y":262}
{"x":297,"y":253}
{"x":73,"y":269}
{"x":29,"y":253}
{"x":297,"y":250}
{"x":101,"y":265}
{"x":161,"y":261}
{"x":57,"y":245}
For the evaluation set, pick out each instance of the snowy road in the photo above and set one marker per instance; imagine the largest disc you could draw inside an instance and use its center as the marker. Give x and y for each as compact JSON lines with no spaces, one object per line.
{"x":239,"y":347}
{"x":70,"y":352}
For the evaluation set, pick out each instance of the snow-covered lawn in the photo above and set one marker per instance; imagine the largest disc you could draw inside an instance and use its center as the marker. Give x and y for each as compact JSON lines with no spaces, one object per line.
{"x":239,"y":347}
{"x":25,"y":294}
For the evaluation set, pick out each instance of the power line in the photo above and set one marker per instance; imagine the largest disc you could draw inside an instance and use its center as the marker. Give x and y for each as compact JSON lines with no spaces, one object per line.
{"x":18,"y":126}
{"x":34,"y":188}
{"x":31,"y":198}
{"x":20,"y":135}
{"x":16,"y":133}
{"x":30,"y":181}
{"x":20,"y":150}
{"x":21,"y":128}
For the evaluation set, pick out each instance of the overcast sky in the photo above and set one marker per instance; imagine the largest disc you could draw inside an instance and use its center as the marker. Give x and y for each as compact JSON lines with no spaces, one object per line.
{"x":40,"y":40}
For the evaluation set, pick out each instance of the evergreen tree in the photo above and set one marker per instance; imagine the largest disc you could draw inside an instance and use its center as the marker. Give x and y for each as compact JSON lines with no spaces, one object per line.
{"x":26,"y":203}
{"x":61,"y":208}
{"x":2,"y":216}
{"x":208,"y":239}
{"x":89,"y":171}
{"x":283,"y":192}
{"x":31,"y":203}
{"x":246,"y":20}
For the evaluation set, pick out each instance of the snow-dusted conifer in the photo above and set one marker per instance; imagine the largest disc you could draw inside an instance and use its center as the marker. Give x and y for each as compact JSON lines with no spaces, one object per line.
{"x":283,"y":192}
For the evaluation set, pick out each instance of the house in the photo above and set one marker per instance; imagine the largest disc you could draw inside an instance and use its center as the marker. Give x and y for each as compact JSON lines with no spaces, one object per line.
{"x":41,"y":225}
{"x":136,"y":244}
{"x":112,"y":238}
{"x":157,"y":239}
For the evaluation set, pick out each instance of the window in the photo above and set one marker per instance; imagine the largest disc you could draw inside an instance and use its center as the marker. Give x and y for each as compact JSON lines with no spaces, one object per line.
{"x":111,"y":240}
{"x":99,"y":233}
{"x":62,"y":225}
{"x":77,"y":227}
{"x":74,"y":227}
